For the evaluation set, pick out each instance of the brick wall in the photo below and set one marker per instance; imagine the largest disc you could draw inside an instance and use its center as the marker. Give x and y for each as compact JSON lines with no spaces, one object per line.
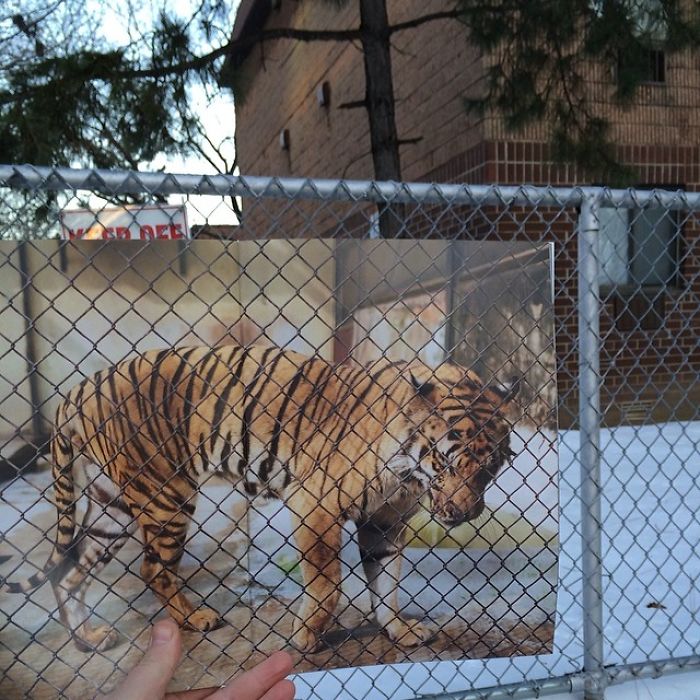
{"x":280,"y":81}
{"x":660,"y":114}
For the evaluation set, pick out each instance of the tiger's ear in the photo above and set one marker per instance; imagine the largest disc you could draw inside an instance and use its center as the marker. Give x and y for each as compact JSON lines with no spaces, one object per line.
{"x":423,"y":389}
{"x":507,"y":390}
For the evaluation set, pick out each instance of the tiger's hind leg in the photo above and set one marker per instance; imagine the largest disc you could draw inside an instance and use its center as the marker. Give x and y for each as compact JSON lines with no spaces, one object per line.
{"x":106,"y":527}
{"x":165,"y":533}
{"x":381,"y":539}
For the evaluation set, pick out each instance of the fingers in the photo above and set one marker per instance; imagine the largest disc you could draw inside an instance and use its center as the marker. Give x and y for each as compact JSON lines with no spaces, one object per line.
{"x":263,"y":682}
{"x":284,"y":690}
{"x":198,"y":694}
{"x":150,"y":677}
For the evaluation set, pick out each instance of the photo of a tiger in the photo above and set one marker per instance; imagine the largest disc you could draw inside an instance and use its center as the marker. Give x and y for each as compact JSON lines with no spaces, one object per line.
{"x":334,"y":442}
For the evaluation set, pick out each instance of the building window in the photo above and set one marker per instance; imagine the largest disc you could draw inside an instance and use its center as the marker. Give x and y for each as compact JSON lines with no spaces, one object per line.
{"x":639,"y":247}
{"x":644,"y":60}
{"x":649,"y":67}
{"x":656,"y":66}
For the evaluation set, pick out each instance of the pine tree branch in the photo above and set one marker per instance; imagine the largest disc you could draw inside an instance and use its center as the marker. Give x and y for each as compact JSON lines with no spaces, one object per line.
{"x":305,"y":35}
{"x":199,"y":62}
{"x":425,"y":19}
{"x":104,"y":71}
{"x":99,"y":72}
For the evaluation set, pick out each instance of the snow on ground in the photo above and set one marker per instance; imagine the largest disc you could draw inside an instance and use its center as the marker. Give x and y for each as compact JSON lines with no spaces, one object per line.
{"x":681,"y":686}
{"x":651,"y":485}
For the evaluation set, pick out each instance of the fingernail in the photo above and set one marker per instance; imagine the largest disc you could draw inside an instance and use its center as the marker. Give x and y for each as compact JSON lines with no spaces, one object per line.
{"x":162,"y":633}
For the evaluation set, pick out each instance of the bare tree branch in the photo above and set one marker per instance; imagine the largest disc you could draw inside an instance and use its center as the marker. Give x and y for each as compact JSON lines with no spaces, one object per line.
{"x":356,"y":104}
{"x":410,"y":141}
{"x":425,"y":19}
{"x":204,"y":61}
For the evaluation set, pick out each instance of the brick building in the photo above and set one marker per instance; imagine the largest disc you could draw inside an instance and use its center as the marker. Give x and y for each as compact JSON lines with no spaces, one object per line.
{"x":292,"y":120}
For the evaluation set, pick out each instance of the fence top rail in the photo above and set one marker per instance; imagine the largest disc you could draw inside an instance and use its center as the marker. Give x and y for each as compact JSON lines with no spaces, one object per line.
{"x":132,"y":182}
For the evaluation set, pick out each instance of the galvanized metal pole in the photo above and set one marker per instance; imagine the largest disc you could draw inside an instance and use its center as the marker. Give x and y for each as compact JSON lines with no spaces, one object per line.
{"x":39,"y":435}
{"x":451,"y":327}
{"x":114,"y":182}
{"x":590,"y":419}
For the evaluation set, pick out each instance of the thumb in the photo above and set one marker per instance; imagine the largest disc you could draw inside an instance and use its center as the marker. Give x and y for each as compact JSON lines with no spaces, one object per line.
{"x":150,"y":677}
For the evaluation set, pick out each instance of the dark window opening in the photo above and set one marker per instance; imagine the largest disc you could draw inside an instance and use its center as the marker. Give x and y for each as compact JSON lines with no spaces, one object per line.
{"x":656,"y":70}
{"x":639,"y":247}
{"x":649,"y":68}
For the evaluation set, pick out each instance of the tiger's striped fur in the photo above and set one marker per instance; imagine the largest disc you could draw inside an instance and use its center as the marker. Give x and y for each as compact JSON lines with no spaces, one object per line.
{"x":335,"y":443}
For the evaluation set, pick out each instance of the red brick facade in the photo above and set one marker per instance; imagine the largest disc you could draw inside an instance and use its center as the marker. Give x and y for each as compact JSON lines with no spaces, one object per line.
{"x":435,"y":68}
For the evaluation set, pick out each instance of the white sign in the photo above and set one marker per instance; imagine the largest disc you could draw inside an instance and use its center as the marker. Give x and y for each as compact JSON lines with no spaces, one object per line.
{"x":129,"y":223}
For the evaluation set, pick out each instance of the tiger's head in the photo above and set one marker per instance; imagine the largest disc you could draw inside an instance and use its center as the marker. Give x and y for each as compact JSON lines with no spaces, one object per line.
{"x":462,"y":442}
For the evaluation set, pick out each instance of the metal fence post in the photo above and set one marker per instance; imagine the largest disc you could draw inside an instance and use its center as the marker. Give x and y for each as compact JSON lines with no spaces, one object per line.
{"x":39,"y":432}
{"x":590,"y":418}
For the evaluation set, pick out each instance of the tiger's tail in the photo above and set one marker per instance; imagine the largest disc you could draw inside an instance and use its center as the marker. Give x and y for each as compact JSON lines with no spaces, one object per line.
{"x":63,"y":457}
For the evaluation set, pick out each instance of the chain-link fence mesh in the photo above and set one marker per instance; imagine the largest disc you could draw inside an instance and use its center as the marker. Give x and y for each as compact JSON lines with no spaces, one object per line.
{"x":289,"y":432}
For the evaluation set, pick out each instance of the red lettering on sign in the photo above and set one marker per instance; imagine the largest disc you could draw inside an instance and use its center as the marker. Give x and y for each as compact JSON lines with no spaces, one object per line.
{"x":162,"y":231}
{"x":176,"y":231}
{"x":123,"y":232}
{"x":146,"y":232}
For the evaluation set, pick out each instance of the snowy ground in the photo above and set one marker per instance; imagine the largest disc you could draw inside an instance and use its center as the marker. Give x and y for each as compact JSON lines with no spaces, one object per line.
{"x":652,"y":495}
{"x":682,"y":686}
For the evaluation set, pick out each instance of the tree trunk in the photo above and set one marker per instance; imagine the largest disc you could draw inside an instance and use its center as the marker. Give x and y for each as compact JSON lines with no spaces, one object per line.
{"x":379,"y":96}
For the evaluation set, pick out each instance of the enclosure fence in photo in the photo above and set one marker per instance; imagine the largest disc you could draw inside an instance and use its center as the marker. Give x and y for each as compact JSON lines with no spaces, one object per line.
{"x":436,"y":441}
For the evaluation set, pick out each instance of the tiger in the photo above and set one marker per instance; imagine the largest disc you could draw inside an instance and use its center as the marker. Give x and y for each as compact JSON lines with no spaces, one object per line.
{"x":335,"y":442}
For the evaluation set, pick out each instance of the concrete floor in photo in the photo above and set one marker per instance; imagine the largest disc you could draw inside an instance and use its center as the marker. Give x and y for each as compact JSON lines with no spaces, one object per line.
{"x":482,"y":603}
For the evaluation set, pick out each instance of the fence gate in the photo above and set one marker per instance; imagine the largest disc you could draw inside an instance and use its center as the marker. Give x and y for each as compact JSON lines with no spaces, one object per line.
{"x":435,"y":441}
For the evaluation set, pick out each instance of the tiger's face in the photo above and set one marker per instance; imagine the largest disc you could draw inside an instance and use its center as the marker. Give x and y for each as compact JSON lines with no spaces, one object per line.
{"x":466,"y":442}
{"x":469,"y":463}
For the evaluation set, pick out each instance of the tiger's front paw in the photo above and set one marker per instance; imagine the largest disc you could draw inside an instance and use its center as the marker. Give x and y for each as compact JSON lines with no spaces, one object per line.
{"x":409,"y":633}
{"x":203,"y":620}
{"x":99,"y":638}
{"x":304,"y":639}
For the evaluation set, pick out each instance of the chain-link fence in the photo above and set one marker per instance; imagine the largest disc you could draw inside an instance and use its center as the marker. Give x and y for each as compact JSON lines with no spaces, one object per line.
{"x":286,"y":431}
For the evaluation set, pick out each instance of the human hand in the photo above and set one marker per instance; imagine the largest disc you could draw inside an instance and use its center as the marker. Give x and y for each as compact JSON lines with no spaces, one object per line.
{"x":150,"y":677}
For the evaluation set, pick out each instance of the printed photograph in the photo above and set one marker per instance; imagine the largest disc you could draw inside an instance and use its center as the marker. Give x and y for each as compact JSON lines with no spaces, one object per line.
{"x":346,"y":449}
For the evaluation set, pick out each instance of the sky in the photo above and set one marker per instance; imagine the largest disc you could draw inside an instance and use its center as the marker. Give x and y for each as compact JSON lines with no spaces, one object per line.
{"x":216,"y":111}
